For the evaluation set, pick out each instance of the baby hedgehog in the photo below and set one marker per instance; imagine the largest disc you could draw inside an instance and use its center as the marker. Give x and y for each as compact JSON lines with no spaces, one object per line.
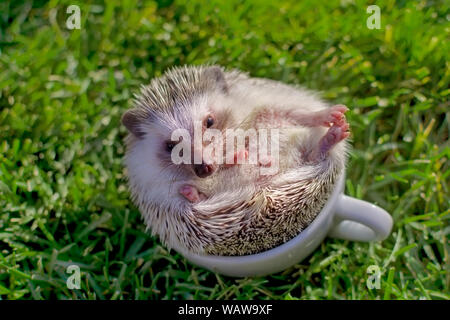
{"x":231,"y":207}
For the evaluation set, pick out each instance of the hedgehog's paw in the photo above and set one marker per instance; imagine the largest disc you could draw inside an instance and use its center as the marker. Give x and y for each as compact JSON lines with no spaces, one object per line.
{"x":265,"y":161}
{"x":240,"y":157}
{"x":330,"y":116}
{"x":334,"y":135}
{"x":191,"y":193}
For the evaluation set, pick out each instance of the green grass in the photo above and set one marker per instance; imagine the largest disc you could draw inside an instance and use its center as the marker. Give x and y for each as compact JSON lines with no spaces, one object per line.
{"x":63,"y":196}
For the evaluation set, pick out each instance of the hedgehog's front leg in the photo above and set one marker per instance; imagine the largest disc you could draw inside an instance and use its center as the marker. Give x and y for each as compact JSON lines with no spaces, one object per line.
{"x":191,"y":193}
{"x":241,"y":157}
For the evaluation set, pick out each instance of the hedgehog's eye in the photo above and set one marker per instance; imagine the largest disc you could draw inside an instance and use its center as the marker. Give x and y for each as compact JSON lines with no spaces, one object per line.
{"x":170,"y":145}
{"x":209,"y":121}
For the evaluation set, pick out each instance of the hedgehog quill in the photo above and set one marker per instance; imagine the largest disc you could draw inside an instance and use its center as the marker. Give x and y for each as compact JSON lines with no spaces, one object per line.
{"x":229,"y":207}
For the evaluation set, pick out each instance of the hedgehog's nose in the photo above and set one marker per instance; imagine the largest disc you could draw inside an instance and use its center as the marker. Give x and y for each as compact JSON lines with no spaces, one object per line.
{"x":203,"y":170}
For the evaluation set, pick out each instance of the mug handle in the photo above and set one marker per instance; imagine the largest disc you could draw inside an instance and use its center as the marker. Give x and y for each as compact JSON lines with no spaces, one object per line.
{"x":358,"y":220}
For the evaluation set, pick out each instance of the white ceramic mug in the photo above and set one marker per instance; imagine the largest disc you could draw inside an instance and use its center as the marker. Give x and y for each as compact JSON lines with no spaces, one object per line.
{"x":342,"y":217}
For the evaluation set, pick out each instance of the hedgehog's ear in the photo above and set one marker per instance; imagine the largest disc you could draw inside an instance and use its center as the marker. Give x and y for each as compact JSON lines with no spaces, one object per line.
{"x":216,"y":73}
{"x":132,"y":121}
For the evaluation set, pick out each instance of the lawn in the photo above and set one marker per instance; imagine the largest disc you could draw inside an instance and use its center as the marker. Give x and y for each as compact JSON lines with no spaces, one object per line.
{"x":63,"y":193}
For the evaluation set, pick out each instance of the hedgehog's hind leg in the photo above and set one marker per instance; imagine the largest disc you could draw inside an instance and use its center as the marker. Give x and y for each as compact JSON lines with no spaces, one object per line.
{"x":323,"y":118}
{"x":292,"y":116}
{"x":337,"y":133}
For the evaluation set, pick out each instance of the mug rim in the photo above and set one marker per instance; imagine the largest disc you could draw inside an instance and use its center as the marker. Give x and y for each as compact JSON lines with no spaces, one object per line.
{"x":280,"y":249}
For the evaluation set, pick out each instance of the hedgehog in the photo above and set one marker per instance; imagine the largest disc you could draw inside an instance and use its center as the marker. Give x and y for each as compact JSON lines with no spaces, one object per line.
{"x":230,"y":208}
